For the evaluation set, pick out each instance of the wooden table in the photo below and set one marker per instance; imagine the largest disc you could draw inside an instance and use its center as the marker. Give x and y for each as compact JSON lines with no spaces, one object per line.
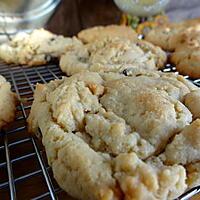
{"x":74,"y":15}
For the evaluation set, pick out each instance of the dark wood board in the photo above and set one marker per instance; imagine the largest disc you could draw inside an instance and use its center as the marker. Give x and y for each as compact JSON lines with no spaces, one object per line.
{"x":74,"y":15}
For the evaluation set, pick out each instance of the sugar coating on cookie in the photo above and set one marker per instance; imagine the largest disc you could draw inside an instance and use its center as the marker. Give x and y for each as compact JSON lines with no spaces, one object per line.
{"x":112,"y":55}
{"x":36,"y":48}
{"x":98,"y":128}
{"x":7,"y":103}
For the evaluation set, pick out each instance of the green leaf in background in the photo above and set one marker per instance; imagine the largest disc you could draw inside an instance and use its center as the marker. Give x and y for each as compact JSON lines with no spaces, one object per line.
{"x":133,"y":21}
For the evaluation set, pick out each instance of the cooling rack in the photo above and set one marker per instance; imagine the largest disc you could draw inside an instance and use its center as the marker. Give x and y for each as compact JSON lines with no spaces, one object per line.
{"x":24,"y":172}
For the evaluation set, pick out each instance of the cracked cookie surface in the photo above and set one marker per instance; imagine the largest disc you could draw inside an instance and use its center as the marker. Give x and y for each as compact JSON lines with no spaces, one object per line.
{"x":98,"y":130}
{"x":112,"y":55}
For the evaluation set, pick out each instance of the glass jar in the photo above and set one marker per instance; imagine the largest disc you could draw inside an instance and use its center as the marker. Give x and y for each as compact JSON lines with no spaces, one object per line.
{"x":24,"y":15}
{"x":141,"y":8}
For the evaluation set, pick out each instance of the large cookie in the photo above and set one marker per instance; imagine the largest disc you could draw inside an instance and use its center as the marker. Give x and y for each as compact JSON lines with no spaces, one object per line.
{"x":112,"y":55}
{"x":168,"y":36}
{"x":7,"y":103}
{"x":184,"y":39}
{"x":98,"y":128}
{"x":164,"y":36}
{"x":38,"y":47}
{"x":186,"y":56}
{"x":98,"y":32}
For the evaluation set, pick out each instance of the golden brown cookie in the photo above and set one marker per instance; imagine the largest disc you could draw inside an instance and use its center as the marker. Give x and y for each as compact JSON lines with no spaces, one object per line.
{"x":167,"y":36}
{"x":36,"y":48}
{"x":184,"y":39}
{"x":98,"y":32}
{"x":193,"y":171}
{"x":7,"y":103}
{"x":112,"y":55}
{"x":192,"y":101}
{"x":97,"y":129}
{"x":186,"y":56}
{"x":164,"y":36}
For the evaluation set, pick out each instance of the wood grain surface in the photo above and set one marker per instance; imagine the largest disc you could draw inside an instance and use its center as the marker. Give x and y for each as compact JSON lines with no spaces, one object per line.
{"x":74,"y":15}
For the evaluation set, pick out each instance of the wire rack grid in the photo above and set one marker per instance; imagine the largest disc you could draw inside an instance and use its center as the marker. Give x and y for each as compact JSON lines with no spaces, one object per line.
{"x":24,"y":172}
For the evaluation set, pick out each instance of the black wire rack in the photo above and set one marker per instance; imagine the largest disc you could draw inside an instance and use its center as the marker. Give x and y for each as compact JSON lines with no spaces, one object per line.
{"x":24,"y":172}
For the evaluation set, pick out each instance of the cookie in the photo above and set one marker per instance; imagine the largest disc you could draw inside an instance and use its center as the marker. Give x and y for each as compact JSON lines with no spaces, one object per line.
{"x":99,"y":128}
{"x":184,"y":39}
{"x":193,"y":171}
{"x":185,"y":147}
{"x":192,"y":101}
{"x":7,"y":103}
{"x":112,"y":55}
{"x":168,"y":36}
{"x":186,"y":55}
{"x":164,"y":36}
{"x":35,"y":48}
{"x":99,"y":32}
